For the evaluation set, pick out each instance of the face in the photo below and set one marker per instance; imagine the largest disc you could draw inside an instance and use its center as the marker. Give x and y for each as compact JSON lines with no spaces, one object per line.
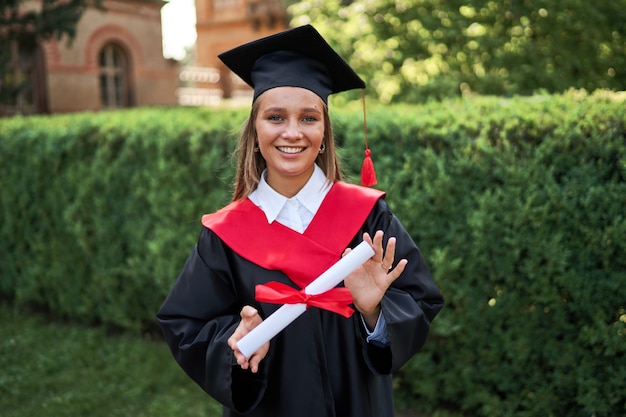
{"x":290,"y":131}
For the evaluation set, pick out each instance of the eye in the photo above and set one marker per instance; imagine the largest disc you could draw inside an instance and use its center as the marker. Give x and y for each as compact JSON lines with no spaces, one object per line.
{"x":310,"y":119}
{"x":274,"y":118}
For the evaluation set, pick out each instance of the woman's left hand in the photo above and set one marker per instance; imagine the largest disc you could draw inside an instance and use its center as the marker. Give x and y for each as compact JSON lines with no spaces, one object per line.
{"x":368,"y":283}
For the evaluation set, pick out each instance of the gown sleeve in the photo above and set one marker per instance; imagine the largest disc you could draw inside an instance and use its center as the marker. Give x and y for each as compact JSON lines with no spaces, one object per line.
{"x":206,"y":289}
{"x":411,"y":302}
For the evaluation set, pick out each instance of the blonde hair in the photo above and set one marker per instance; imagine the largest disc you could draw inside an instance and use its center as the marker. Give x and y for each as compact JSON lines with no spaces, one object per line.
{"x":250,"y":164}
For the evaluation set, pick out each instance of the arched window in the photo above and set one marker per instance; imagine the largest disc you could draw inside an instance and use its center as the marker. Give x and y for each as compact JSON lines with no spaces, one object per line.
{"x":115,"y":91}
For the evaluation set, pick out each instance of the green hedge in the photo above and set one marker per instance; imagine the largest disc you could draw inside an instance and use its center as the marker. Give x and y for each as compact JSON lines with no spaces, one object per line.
{"x":100,"y":210}
{"x":519,"y":206}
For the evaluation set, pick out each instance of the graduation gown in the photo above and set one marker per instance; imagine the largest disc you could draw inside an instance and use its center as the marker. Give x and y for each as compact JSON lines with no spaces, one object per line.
{"x":320,"y":365}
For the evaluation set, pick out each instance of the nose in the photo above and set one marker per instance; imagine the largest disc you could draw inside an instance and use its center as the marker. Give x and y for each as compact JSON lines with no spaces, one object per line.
{"x":292,"y":130}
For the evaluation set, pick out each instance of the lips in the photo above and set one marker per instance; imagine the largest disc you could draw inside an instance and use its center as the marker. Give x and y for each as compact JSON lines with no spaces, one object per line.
{"x":290,"y":149}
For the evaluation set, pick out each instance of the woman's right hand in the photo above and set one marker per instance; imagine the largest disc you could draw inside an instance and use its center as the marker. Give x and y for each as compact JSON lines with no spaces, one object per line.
{"x":249,"y":320}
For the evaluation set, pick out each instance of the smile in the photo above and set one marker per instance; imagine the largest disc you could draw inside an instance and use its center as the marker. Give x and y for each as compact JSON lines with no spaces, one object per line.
{"x":290,"y":149}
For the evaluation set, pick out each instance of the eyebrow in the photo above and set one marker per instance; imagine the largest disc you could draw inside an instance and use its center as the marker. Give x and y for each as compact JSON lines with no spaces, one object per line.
{"x":282,"y":109}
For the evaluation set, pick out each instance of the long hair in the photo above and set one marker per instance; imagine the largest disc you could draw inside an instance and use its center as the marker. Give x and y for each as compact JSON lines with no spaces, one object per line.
{"x":250,"y":164}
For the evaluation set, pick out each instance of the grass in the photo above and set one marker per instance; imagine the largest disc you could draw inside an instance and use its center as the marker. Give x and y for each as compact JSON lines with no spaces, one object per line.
{"x":50,"y":369}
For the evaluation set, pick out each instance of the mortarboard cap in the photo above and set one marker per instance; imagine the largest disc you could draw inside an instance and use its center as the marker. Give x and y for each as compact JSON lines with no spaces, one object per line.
{"x":298,"y":57}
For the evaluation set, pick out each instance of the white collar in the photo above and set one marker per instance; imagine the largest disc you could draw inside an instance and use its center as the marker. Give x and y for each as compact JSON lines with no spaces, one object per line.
{"x":310,"y":196}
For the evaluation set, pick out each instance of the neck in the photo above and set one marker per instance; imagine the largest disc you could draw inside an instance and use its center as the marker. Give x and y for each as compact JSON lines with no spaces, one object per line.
{"x":289,"y":186}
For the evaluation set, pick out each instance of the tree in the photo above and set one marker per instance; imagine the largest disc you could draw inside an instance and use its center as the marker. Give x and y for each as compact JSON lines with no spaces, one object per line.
{"x":419,"y":49}
{"x":23,"y":30}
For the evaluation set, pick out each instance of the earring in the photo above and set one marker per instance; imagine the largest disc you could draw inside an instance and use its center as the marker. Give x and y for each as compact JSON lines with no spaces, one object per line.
{"x":256,"y":148}
{"x":322,"y":148}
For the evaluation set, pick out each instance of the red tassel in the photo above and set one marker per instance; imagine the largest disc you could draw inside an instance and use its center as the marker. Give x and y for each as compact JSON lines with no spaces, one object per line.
{"x":368,"y":174}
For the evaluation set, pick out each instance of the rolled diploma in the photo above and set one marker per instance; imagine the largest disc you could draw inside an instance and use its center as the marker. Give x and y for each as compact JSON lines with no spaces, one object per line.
{"x":287,"y":313}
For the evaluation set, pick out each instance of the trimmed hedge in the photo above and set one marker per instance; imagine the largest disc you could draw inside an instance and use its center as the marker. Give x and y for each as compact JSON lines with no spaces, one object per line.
{"x":101,"y":210}
{"x":518,"y":205}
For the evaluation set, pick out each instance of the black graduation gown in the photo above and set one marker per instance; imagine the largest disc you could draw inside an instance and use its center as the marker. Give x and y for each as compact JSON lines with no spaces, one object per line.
{"x":321,"y":364}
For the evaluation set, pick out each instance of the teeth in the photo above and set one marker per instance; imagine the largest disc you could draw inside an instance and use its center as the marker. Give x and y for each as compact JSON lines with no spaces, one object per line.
{"x":290,"y":149}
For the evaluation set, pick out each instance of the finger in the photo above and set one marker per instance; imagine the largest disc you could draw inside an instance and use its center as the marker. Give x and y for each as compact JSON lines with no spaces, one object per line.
{"x":378,"y":246}
{"x":378,"y":239}
{"x":257,"y":357}
{"x":232,"y":341}
{"x":234,"y":338}
{"x":247,"y":312}
{"x":254,"y":366}
{"x":250,"y":317}
{"x":397,"y":271}
{"x":377,"y":257}
{"x":390,"y":251}
{"x":242,"y":361}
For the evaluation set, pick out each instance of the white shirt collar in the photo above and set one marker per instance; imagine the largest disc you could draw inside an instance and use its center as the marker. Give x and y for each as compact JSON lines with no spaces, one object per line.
{"x":310,"y":196}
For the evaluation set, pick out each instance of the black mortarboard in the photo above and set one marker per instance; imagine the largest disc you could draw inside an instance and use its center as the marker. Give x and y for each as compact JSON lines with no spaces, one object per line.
{"x":297,"y":57}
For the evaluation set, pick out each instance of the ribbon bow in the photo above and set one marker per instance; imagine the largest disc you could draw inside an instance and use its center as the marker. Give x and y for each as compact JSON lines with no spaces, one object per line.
{"x":336,"y":300}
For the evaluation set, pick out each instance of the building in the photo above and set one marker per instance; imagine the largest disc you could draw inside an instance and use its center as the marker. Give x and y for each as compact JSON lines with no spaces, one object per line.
{"x":222,"y":25}
{"x":115,"y":61}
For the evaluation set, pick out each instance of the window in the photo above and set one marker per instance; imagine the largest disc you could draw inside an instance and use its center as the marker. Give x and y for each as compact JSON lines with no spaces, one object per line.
{"x":114,"y":77}
{"x":22,"y":85}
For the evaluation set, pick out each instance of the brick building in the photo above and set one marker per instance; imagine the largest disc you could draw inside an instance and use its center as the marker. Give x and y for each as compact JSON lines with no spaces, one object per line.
{"x":224,"y":24}
{"x":115,"y":61}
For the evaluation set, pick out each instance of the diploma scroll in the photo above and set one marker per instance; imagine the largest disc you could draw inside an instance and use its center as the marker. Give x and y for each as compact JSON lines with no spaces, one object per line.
{"x":287,"y":313}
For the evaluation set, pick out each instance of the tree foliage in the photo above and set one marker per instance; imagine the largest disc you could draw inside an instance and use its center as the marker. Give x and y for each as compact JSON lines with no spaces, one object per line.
{"x":54,"y":18}
{"x":414,"y":50}
{"x":24,"y":28}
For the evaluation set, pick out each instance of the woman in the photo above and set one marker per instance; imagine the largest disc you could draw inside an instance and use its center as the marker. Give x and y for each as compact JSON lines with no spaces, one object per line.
{"x":291,"y":219}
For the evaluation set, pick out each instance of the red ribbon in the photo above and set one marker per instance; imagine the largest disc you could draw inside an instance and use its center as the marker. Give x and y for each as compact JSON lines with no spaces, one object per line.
{"x":336,"y":300}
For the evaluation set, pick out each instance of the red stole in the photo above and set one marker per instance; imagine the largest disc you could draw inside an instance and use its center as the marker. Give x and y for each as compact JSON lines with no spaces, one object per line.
{"x":302,"y":257}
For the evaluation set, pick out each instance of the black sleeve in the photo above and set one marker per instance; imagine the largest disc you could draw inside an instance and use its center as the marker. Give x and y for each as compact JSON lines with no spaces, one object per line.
{"x":412,"y":301}
{"x":198,"y":316}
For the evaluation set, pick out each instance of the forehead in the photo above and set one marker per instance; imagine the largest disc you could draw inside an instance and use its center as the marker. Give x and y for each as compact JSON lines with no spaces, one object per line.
{"x":290,"y":97}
